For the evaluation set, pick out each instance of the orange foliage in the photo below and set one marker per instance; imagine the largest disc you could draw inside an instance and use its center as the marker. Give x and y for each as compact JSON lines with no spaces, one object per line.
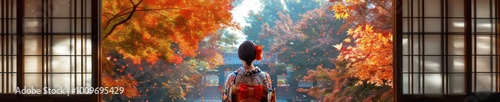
{"x":212,"y":56}
{"x":359,"y":12}
{"x":341,"y":12}
{"x":371,"y":56}
{"x":368,"y":47}
{"x":217,"y":60}
{"x":332,"y":80}
{"x":153,"y":29}
{"x":176,"y":59}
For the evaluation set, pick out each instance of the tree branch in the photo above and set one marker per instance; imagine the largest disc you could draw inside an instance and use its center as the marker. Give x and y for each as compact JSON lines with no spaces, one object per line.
{"x":135,"y":8}
{"x":123,"y":21}
{"x":117,"y":15}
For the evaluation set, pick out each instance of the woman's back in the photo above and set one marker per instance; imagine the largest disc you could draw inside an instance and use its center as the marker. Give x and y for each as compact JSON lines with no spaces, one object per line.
{"x":248,"y":83}
{"x":252,"y":85}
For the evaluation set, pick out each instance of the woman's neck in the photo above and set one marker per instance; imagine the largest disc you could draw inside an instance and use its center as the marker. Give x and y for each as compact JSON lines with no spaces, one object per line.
{"x":248,"y":67}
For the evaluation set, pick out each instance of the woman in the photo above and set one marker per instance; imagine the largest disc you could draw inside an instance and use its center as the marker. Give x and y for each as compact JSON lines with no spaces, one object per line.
{"x":248,"y":83}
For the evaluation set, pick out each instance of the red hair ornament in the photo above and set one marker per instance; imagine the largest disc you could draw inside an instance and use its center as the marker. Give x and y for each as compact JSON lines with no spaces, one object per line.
{"x":259,"y":51}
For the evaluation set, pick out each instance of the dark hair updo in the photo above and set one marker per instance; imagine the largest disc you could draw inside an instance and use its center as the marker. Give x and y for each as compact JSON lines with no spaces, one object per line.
{"x":247,"y":52}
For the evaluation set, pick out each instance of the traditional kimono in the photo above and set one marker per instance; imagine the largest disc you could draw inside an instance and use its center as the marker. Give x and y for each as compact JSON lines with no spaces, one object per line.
{"x":249,"y":86}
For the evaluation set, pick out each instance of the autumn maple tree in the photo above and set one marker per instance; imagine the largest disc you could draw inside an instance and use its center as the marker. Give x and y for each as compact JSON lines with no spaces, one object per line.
{"x":146,"y":32}
{"x":332,"y":83}
{"x":302,"y":44}
{"x":368,"y":47}
{"x":338,"y":85}
{"x":170,"y":29}
{"x":359,"y":12}
{"x":363,"y":69}
{"x":370,"y":57}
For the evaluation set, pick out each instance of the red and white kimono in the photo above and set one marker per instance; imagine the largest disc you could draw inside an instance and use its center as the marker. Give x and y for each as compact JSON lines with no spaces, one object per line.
{"x":249,"y":86}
